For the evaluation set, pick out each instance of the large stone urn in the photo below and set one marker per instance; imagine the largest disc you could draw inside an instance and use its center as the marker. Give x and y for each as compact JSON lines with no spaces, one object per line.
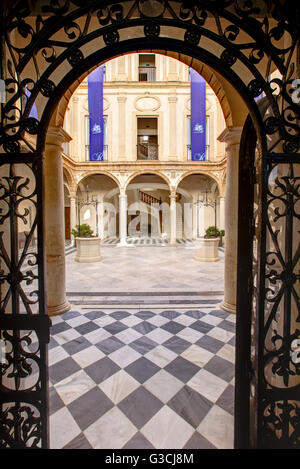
{"x":88,"y":249}
{"x":207,"y":250}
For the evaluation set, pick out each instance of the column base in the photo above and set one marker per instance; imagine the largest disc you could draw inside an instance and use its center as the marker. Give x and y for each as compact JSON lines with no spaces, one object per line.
{"x":173,"y":243}
{"x":59,"y":309}
{"x":228,"y":307}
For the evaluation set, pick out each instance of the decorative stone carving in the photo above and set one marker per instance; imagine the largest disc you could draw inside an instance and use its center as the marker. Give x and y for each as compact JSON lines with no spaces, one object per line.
{"x":147,"y":103}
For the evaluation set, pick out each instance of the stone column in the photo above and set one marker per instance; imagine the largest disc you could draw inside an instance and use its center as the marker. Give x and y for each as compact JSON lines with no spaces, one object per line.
{"x":54,"y":222}
{"x":232,"y":137}
{"x":173,"y":219}
{"x":122,"y":127}
{"x":123,"y":219}
{"x":221,"y":224}
{"x":172,"y":127}
{"x":101,"y":218}
{"x":73,"y":216}
{"x":195,"y":218}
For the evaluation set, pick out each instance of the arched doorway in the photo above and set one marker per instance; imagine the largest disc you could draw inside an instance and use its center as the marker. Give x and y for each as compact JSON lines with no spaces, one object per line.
{"x":130,"y":26}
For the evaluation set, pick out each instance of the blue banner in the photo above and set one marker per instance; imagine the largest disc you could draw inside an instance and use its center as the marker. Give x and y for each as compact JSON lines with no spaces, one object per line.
{"x":95,"y":99}
{"x":198,"y":116}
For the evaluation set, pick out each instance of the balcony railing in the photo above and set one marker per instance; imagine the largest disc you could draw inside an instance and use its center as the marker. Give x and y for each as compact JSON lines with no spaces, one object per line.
{"x":147,"y":151}
{"x":189,"y":152}
{"x":147,"y":73}
{"x":105,"y":153}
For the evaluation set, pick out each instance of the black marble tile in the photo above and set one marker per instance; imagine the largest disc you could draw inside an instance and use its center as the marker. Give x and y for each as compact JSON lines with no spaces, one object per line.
{"x":102,"y":369}
{"x":60,"y":327}
{"x":140,"y":406}
{"x":221,"y":368}
{"x":182,"y":369}
{"x":62,"y":370}
{"x":173,"y":327}
{"x":190,"y":405}
{"x":138,"y":441}
{"x":79,"y":442}
{"x":176,"y":344}
{"x":92,"y":315}
{"x":219,"y":313}
{"x":142,"y":369}
{"x":144,"y":314}
{"x":198,"y":441}
{"x":170,"y":314}
{"x":210,"y":343}
{"x":201,"y":326}
{"x":76,"y":345}
{"x":195,"y":313}
{"x":143,"y":345}
{"x":89,"y":407}
{"x":227,"y":325}
{"x":55,"y":402}
{"x":115,"y":327}
{"x":70,"y":315}
{"x":144,"y":327}
{"x":109,"y":345}
{"x":119,"y":315}
{"x":226,"y":400}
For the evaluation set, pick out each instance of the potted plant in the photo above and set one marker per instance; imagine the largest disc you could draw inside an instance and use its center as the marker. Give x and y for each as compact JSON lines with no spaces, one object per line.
{"x":207,"y":247}
{"x":87,"y":245}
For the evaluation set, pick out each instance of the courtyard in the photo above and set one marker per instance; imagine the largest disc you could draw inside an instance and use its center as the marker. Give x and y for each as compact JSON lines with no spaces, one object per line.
{"x":145,"y":356}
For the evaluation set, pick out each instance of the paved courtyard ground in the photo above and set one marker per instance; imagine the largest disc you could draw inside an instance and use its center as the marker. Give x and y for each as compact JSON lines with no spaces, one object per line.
{"x":146,"y":269}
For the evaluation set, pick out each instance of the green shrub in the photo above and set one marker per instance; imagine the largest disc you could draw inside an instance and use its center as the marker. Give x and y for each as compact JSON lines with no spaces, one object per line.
{"x":212,"y":232}
{"x":82,"y":231}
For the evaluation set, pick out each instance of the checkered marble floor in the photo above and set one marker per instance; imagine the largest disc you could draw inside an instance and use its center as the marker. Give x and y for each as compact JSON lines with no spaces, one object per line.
{"x":141,"y":379}
{"x":143,"y":241}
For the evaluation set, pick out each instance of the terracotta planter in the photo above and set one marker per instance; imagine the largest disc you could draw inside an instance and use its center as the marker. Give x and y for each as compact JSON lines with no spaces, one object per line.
{"x":88,"y":249}
{"x":207,"y":250}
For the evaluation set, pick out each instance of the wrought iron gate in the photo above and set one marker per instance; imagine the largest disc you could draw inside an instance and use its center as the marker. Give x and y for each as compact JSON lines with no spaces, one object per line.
{"x":46,"y":46}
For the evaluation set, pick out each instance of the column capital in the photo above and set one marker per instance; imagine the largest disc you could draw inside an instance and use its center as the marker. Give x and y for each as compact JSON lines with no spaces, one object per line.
{"x":57,"y":136}
{"x":172,"y":99}
{"x":231,"y":135}
{"x":121,"y":99}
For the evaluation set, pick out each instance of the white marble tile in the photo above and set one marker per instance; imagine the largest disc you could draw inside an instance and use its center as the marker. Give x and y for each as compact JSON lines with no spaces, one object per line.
{"x":63,"y":428}
{"x":231,"y":318}
{"x":159,"y":335}
{"x":189,"y":334}
{"x":97,"y":335}
{"x":131,"y":321}
{"x":66,"y":336}
{"x":184,"y":320}
{"x":128,"y":335}
{"x":158,"y":320}
{"x":119,"y":386}
{"x":74,"y":386}
{"x":220,"y":334}
{"x":111,"y":431}
{"x":227,"y":352}
{"x":213,"y":320}
{"x":218,"y":427}
{"x":104,"y":321}
{"x":124,"y":356}
{"x":207,"y":384}
{"x":56,"y":320}
{"x":57,"y":354}
{"x":197,"y":355}
{"x":163,"y":385}
{"x":88,"y":356}
{"x":161,"y":356}
{"x":166,"y":430}
{"x":75,"y":322}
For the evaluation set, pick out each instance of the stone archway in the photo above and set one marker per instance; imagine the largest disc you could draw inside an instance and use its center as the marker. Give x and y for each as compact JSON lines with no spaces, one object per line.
{"x":235,"y":40}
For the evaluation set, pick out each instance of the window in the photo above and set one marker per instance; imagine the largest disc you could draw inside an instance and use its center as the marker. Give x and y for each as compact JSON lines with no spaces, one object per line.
{"x":147,"y":69}
{"x":147,"y":138}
